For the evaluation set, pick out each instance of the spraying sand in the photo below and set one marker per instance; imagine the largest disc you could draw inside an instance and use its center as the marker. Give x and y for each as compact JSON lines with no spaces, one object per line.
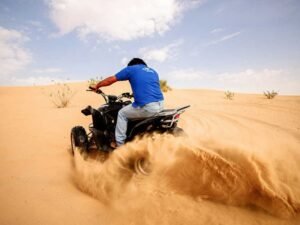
{"x":239,"y":163}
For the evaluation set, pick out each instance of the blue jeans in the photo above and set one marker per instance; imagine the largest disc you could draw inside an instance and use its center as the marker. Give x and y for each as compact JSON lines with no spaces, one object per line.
{"x":128,"y":112}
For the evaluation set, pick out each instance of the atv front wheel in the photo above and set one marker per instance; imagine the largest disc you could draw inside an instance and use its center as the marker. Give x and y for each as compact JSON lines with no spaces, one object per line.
{"x":79,"y":139}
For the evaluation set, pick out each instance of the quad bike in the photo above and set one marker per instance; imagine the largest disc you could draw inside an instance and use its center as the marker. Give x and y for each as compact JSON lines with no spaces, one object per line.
{"x":104,"y":119}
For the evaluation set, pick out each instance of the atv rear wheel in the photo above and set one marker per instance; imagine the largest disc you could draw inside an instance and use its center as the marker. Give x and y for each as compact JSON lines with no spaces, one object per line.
{"x":79,"y":139}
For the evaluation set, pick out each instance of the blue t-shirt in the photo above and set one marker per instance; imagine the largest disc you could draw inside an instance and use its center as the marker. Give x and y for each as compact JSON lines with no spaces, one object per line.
{"x":144,"y":83}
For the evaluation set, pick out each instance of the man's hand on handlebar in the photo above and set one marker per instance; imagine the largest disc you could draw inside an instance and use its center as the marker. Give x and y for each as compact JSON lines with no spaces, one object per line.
{"x":93,"y":88}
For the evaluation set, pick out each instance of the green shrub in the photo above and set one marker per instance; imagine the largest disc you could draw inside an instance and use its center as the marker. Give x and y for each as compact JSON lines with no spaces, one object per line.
{"x":270,"y":94}
{"x":164,"y":86}
{"x":94,"y":81}
{"x":229,"y":95}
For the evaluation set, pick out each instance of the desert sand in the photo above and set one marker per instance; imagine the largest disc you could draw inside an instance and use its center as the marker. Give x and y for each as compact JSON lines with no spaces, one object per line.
{"x":239,"y":163}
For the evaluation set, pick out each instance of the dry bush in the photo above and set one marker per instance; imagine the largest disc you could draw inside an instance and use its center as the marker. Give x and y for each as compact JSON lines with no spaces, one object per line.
{"x":61,"y":95}
{"x":270,"y":94}
{"x":94,"y":81}
{"x":229,"y":95}
{"x":164,"y":86}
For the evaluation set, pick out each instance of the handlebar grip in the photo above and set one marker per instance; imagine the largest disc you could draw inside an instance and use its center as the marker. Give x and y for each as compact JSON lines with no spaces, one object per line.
{"x":98,"y":91}
{"x":127,"y":95}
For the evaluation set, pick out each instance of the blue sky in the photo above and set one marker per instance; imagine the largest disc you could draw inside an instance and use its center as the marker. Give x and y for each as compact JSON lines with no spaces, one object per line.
{"x":237,"y":45}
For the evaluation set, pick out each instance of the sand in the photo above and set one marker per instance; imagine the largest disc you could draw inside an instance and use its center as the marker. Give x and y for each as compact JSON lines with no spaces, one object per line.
{"x":239,"y":163}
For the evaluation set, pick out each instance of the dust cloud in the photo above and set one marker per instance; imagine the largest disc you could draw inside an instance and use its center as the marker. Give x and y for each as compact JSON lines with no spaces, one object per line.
{"x":195,"y":179}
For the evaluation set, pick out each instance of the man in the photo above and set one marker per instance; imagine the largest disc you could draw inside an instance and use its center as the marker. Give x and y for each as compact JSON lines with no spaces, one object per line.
{"x":148,"y":98}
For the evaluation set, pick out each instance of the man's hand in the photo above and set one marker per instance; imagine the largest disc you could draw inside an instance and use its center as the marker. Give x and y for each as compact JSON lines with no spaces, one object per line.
{"x":93,"y":87}
{"x":106,"y":82}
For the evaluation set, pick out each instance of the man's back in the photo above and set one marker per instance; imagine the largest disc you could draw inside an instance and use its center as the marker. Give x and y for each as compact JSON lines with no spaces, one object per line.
{"x":148,"y":98}
{"x":144,"y":82}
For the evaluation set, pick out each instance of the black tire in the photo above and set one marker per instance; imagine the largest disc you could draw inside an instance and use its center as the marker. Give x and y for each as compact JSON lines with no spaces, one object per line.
{"x":178,"y":132}
{"x":79,"y":139}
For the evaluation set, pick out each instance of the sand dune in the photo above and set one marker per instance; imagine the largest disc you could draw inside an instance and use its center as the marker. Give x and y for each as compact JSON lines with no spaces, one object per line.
{"x":239,"y":163}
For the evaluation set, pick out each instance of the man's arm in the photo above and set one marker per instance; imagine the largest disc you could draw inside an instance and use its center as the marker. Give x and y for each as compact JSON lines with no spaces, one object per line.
{"x":106,"y":82}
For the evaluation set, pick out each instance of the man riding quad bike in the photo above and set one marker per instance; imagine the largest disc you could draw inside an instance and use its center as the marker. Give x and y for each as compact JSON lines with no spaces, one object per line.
{"x":102,"y":128}
{"x":119,"y":120}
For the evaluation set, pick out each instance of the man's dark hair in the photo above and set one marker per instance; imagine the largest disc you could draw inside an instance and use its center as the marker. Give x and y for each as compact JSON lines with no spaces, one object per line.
{"x":136,"y":61}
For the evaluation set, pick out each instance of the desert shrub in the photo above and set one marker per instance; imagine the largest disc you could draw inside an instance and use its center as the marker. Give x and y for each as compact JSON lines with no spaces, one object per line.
{"x":94,"y":81}
{"x":270,"y":94}
{"x":61,"y":95}
{"x":229,"y":95}
{"x":164,"y":86}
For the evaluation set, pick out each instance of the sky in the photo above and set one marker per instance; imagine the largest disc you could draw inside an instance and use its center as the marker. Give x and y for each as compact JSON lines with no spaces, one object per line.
{"x":236,"y":45}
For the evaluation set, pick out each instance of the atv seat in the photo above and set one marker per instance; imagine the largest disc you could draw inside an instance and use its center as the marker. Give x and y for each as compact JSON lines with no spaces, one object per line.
{"x":165,"y":112}
{"x":137,"y":119}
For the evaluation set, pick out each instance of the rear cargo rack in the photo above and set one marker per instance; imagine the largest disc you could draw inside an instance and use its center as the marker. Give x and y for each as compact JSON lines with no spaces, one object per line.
{"x":172,"y":116}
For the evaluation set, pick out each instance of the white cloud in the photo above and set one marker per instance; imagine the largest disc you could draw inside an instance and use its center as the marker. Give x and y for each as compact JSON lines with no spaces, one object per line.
{"x":261,"y":80}
{"x":216,"y":30}
{"x":184,"y":76}
{"x":114,"y":48}
{"x":124,"y":61}
{"x":230,"y":36}
{"x":48,"y":70}
{"x":118,"y":19}
{"x":6,"y":9}
{"x":249,"y":80}
{"x":34,"y":80}
{"x":219,"y":10}
{"x":13,"y":55}
{"x":35,"y":23}
{"x":224,"y":38}
{"x":160,"y":54}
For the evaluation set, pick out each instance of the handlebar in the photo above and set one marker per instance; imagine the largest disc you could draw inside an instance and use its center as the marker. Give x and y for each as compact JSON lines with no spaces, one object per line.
{"x":98,"y":91}
{"x":127,"y":95}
